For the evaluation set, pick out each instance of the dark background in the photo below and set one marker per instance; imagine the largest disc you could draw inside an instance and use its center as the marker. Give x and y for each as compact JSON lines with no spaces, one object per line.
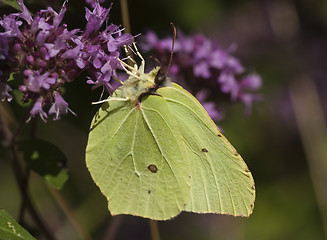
{"x":285,"y":42}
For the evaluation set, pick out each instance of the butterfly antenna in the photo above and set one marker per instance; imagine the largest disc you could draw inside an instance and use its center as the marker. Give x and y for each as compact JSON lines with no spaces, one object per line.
{"x":173,"y":29}
{"x":155,"y":60}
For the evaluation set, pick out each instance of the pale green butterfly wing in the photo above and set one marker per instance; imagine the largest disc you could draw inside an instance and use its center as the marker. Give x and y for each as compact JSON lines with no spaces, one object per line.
{"x":136,"y":156}
{"x":163,"y":155}
{"x":221,"y":182}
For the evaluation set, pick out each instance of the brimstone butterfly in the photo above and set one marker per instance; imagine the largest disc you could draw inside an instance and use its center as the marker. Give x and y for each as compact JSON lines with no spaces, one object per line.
{"x":154,"y":152}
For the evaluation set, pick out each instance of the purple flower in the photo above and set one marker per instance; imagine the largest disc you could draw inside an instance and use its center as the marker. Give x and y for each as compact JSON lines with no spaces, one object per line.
{"x":59,"y":107}
{"x":218,"y":58}
{"x":38,"y":109}
{"x":48,"y":55}
{"x":210,"y":107}
{"x":4,"y":91}
{"x":11,"y":26}
{"x":199,"y":64}
{"x":93,"y":2}
{"x":36,"y":82}
{"x":202,"y":70}
{"x":102,"y":49}
{"x":25,"y":14}
{"x":95,"y":18}
{"x":248,"y":100}
{"x":251,"y":82}
{"x":229,"y":84}
{"x":234,"y":65}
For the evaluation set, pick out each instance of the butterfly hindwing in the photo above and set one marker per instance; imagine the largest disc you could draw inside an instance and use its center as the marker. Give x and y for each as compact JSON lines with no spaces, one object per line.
{"x":221,"y":182}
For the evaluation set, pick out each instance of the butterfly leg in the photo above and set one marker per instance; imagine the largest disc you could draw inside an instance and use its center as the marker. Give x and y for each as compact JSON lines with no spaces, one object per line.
{"x":125,"y":66}
{"x":127,"y":52}
{"x":142,"y":66}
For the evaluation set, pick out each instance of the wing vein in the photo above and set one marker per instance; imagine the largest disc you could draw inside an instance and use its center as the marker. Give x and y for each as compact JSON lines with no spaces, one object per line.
{"x":159,"y":147}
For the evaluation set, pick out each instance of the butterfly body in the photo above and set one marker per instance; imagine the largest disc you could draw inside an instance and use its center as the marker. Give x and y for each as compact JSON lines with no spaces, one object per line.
{"x":134,"y":86}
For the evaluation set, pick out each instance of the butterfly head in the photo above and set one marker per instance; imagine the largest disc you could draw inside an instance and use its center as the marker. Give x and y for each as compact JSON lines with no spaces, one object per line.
{"x":140,"y":84}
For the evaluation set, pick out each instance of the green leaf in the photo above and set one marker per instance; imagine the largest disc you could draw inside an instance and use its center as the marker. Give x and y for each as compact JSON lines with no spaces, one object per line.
{"x":18,"y":96}
{"x":10,"y":229}
{"x":157,"y":155}
{"x":12,"y":75}
{"x":12,"y":3}
{"x":15,"y":80}
{"x":47,"y":160}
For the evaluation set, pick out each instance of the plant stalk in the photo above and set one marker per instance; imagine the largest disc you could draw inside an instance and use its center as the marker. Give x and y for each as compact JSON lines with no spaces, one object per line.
{"x":154,"y":228}
{"x":313,"y":132}
{"x":9,"y":140}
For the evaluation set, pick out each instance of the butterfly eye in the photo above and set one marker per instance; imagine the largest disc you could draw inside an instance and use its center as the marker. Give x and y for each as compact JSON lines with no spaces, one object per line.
{"x":160,"y":77}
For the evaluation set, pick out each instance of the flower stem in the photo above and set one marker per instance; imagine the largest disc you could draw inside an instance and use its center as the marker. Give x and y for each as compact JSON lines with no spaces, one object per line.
{"x":154,"y":228}
{"x":23,"y":205}
{"x":25,"y":196}
{"x":125,"y":16}
{"x":9,"y":140}
{"x":69,"y":214}
{"x":309,"y":116}
{"x":27,"y":173}
{"x":127,"y":26}
{"x":113,"y":227}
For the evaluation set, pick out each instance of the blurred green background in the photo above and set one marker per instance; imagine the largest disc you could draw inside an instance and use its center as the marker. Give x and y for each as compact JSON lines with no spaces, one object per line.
{"x":283,"y":141}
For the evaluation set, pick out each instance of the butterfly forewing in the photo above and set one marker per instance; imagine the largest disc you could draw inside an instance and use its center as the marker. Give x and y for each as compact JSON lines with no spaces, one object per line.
{"x":137,"y":158}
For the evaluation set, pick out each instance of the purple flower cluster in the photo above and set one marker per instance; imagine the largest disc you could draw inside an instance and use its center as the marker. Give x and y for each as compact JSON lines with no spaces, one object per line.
{"x":48,"y":55}
{"x":94,"y":2}
{"x":206,"y":70}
